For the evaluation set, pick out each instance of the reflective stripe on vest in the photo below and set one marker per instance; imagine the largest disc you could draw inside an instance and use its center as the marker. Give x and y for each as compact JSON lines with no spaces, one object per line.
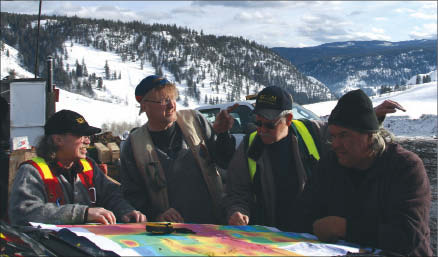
{"x":308,"y":140}
{"x":51,"y":183}
{"x":302,"y":131}
{"x":251,"y":163}
{"x":86,"y":177}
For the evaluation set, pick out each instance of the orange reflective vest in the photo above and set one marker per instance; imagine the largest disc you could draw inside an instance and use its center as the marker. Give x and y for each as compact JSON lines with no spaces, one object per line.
{"x":52,"y":185}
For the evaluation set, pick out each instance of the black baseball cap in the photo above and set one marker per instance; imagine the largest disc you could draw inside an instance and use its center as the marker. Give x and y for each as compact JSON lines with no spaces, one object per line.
{"x":271,"y":101}
{"x":66,"y":121}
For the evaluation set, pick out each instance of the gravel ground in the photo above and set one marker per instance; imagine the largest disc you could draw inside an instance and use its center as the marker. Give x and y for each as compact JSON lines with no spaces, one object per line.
{"x":426,"y":149}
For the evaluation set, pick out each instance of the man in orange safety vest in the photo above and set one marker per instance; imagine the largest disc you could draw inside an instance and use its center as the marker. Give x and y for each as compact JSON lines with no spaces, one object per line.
{"x":64,"y":186}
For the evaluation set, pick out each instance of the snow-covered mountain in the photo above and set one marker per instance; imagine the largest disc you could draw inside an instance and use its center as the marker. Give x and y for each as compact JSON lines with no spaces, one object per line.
{"x":344,"y":66}
{"x":420,"y":100}
{"x":228,"y":68}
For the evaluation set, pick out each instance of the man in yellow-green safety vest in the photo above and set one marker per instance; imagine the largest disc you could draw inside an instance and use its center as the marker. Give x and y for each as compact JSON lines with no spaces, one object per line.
{"x":272,"y":165}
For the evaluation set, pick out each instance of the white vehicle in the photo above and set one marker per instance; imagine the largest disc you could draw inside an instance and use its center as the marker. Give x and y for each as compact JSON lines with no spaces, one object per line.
{"x":244,"y":116}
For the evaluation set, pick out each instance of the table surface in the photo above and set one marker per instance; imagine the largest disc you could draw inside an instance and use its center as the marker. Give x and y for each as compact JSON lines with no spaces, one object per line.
{"x":132,"y":239}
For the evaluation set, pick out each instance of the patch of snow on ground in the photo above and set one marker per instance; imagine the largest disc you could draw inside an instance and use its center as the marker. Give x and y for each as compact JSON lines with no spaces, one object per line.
{"x":419,"y":120}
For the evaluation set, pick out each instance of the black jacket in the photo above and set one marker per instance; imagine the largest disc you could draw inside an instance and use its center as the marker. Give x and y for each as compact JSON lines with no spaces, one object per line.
{"x":241,"y":191}
{"x":387,"y":208}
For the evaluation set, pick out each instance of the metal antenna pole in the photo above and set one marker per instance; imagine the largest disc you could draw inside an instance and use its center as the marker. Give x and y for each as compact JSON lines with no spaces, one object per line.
{"x":38,"y":41}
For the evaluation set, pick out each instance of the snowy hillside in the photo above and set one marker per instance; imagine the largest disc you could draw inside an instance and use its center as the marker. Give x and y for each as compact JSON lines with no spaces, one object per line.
{"x":420,"y":118}
{"x":10,"y":63}
{"x":210,"y":68}
{"x":431,"y":74}
{"x":121,"y":90}
{"x":118,"y":103}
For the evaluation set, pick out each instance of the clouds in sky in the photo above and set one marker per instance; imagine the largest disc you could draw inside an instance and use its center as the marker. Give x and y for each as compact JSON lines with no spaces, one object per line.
{"x":271,"y":23}
{"x":245,"y":4}
{"x":427,"y":31}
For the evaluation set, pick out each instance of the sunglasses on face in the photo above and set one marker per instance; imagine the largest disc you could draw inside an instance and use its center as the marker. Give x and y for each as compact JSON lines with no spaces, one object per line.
{"x":268,"y":125}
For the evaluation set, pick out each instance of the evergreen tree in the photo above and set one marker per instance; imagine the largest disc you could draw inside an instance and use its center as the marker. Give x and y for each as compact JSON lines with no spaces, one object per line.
{"x":427,"y":79}
{"x":92,"y":79}
{"x":78,"y":69}
{"x":84,"y":69}
{"x":107,"y":70}
{"x":385,"y":89}
{"x":418,"y":80}
{"x":99,"y":83}
{"x":12,"y":74}
{"x":87,"y":88}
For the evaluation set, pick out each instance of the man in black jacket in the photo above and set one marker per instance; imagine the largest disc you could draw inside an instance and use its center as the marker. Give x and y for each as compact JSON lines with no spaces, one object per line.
{"x":367,"y":190}
{"x":271,"y":166}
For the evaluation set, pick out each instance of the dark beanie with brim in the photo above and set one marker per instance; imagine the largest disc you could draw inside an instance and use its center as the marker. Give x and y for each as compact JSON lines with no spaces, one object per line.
{"x":355,"y":111}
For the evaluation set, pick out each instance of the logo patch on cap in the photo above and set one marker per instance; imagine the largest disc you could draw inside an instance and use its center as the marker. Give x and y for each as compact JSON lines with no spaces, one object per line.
{"x":269,"y":99}
{"x":158,"y":80}
{"x":80,"y":120}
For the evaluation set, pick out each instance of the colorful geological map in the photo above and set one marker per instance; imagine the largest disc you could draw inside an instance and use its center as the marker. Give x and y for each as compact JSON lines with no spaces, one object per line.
{"x":211,"y":240}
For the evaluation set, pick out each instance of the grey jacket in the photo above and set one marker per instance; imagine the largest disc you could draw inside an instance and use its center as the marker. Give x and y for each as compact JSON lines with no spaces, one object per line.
{"x":29,"y":200}
{"x":240,"y":195}
{"x":186,"y":188}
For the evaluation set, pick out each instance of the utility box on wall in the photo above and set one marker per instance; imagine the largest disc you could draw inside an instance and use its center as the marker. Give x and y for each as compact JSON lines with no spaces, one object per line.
{"x":27,"y":108}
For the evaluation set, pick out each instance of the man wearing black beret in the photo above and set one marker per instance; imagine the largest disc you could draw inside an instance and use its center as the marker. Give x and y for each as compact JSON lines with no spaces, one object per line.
{"x":368,"y":189}
{"x":62,"y":185}
{"x":169,"y":165}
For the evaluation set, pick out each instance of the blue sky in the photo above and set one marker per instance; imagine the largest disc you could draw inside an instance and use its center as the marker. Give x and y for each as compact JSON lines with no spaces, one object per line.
{"x":270,"y":23}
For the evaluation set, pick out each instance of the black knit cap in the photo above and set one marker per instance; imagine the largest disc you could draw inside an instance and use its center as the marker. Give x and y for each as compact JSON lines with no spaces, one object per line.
{"x":66,"y":121}
{"x":355,"y":111}
{"x":271,"y":101}
{"x":148,"y":84}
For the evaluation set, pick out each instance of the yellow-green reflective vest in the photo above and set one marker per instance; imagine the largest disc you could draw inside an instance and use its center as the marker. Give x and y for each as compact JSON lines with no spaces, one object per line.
{"x":302,"y":131}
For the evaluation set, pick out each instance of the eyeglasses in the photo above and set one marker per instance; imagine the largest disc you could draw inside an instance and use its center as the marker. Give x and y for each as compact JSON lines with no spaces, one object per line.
{"x":164,"y":101}
{"x":341,"y":137}
{"x":268,"y":125}
{"x":77,"y":135}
